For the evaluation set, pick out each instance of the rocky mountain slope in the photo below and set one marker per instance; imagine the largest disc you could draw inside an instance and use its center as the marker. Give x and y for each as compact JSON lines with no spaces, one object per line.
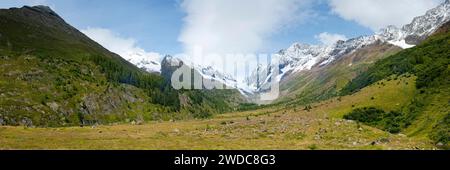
{"x":301,"y":60}
{"x":304,"y":57}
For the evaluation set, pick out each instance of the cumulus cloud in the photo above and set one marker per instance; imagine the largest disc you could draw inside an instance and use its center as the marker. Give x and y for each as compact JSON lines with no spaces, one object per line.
{"x":125,"y":47}
{"x":329,"y":39}
{"x":236,"y":26}
{"x":376,"y":14}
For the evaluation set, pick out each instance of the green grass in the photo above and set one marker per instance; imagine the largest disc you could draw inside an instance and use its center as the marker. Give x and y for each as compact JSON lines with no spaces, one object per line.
{"x":391,"y":95}
{"x":267,"y":128}
{"x":430,"y":62}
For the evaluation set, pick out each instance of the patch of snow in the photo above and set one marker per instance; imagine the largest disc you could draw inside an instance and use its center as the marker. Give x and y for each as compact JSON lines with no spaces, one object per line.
{"x":401,"y":44}
{"x":147,"y":61}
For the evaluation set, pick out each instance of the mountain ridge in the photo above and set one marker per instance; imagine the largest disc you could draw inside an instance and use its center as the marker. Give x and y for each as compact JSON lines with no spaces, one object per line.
{"x":300,"y":57}
{"x":54,"y":75}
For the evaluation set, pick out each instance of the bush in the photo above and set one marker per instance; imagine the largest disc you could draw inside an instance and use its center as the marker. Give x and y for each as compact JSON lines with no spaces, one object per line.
{"x":388,"y":121}
{"x":365,"y":115}
{"x":429,"y":62}
{"x":247,"y":106}
{"x":441,"y":132}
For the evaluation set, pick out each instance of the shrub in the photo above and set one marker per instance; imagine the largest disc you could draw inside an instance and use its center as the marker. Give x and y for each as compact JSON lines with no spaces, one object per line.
{"x":392,"y":121}
{"x":365,"y":115}
{"x":313,"y":147}
{"x":441,"y":132}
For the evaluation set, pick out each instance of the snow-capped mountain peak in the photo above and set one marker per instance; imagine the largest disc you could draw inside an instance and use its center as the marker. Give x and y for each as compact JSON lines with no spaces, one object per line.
{"x":390,"y":33}
{"x":430,"y":22}
{"x":207,"y":73}
{"x":421,"y":27}
{"x":147,"y":61}
{"x":299,"y":57}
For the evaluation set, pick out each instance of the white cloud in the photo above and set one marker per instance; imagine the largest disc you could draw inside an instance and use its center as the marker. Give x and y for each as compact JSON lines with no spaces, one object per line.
{"x":329,"y":39}
{"x":125,"y":47}
{"x":236,"y":26}
{"x":376,"y":14}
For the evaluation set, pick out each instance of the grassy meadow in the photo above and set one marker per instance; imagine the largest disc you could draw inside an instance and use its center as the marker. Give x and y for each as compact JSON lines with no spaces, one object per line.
{"x":322,"y":127}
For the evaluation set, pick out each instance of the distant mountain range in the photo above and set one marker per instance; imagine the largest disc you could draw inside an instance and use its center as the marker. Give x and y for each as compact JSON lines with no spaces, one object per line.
{"x":300,"y":57}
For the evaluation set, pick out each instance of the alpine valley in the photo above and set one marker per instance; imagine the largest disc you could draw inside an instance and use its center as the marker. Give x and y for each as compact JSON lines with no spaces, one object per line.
{"x":61,"y":90}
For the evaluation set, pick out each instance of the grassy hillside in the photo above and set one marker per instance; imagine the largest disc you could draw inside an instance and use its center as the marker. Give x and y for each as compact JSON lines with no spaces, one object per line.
{"x":322,"y":83}
{"x":53,"y":75}
{"x":428,"y":112}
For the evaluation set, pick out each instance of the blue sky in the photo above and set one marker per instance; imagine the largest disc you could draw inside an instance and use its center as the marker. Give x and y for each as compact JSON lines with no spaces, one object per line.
{"x":154,"y":24}
{"x":157,"y":25}
{"x":323,"y":21}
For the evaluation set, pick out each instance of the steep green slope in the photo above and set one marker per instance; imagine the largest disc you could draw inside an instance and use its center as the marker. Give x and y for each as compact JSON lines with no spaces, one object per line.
{"x":53,"y":75}
{"x":429,"y":110}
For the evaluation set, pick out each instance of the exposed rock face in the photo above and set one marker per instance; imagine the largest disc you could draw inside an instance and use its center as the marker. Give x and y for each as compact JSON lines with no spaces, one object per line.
{"x":414,"y":39}
{"x":419,"y":29}
{"x":168,"y":65}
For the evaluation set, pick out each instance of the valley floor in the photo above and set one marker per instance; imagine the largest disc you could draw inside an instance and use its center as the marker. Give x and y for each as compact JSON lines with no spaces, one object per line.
{"x":288,"y":131}
{"x":271,"y":128}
